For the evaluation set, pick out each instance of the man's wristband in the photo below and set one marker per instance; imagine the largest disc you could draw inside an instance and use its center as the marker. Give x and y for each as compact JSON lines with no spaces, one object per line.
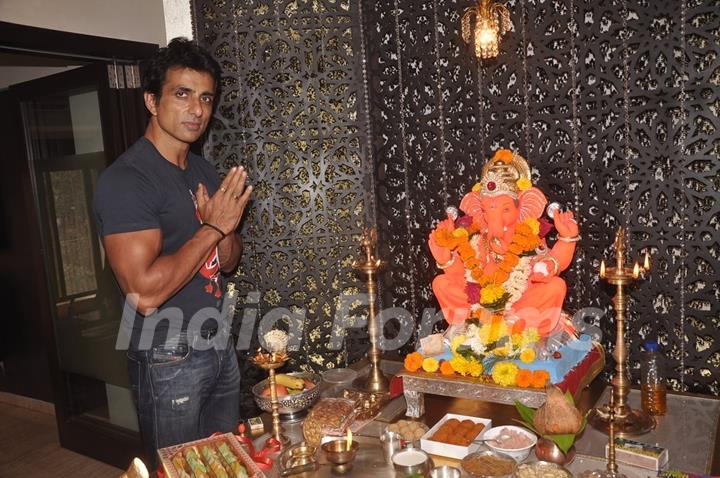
{"x":212,"y":226}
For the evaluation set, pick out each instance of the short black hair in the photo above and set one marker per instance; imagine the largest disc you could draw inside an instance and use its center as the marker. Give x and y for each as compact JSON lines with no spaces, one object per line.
{"x":180,"y":53}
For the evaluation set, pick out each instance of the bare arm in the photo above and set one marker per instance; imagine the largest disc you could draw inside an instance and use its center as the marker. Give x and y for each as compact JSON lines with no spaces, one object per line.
{"x":135,"y":256}
{"x":229,"y":252}
{"x":140,"y":269}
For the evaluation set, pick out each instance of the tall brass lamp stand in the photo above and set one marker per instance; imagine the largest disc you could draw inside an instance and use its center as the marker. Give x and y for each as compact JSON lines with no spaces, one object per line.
{"x":376,"y":381}
{"x":628,"y":422}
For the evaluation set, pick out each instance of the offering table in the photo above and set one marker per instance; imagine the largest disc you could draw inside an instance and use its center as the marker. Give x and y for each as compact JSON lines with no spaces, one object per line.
{"x":417,"y":384}
{"x":698,"y":450}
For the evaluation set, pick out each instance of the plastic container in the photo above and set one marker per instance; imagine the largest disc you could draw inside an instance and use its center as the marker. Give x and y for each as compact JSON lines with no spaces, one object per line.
{"x":337,"y":380}
{"x":652,"y":381}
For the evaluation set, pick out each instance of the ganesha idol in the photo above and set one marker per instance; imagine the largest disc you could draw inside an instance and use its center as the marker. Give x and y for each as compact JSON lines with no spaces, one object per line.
{"x":494,"y":259}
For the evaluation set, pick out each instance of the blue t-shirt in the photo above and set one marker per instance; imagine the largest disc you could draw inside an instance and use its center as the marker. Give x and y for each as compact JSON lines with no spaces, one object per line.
{"x":142,"y":190}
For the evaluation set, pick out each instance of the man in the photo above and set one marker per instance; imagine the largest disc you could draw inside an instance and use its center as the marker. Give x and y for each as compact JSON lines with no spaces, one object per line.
{"x":168,"y":228}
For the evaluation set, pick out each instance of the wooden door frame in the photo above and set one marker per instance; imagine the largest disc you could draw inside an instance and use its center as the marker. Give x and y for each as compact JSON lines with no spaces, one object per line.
{"x":82,"y":434}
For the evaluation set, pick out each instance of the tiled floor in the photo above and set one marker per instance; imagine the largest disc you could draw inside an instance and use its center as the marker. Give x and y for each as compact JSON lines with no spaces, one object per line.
{"x":29,"y":447}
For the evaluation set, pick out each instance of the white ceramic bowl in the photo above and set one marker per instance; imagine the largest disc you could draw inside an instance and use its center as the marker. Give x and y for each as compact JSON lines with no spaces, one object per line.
{"x":518,"y":454}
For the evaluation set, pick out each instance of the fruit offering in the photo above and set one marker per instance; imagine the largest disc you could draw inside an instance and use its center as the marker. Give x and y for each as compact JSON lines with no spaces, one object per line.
{"x":289,"y":385}
{"x":408,"y":429}
{"x":456,"y":432}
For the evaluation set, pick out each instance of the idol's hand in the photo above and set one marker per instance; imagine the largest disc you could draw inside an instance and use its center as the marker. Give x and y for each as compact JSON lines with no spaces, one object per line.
{"x":442,"y":255}
{"x":565,"y":224}
{"x":543,"y":271}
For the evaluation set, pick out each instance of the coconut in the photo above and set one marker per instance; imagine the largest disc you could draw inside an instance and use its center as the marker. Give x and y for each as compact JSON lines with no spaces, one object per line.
{"x":557,"y":416}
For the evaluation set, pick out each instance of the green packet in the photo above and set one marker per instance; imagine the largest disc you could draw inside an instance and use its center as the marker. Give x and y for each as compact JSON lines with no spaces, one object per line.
{"x":644,"y":455}
{"x":682,"y":474}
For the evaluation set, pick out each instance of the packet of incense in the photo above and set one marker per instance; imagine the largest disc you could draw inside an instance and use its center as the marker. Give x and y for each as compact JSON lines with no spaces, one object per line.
{"x":643,"y":455}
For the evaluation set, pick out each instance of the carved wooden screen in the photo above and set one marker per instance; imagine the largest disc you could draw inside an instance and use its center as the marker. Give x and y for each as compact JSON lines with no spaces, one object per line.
{"x":426,"y":85}
{"x":292,"y":112}
{"x":431,"y":134}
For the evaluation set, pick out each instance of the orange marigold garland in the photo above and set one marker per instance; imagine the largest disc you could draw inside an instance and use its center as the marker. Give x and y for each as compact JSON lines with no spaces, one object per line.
{"x":524,"y":242}
{"x":413,"y":361}
{"x":523,"y":378}
{"x":539,"y":378}
{"x":446,"y":368}
{"x":504,"y":155}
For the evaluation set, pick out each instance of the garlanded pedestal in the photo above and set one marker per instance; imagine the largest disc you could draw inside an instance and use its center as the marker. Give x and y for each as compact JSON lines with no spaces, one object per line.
{"x":416,"y":384}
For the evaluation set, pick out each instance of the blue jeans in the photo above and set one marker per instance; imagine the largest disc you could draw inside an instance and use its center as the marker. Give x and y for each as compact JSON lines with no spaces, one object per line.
{"x":184,"y":394}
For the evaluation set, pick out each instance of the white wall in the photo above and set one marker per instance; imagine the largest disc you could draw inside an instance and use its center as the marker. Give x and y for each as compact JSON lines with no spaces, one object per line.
{"x":178,"y":19}
{"x":137,"y":20}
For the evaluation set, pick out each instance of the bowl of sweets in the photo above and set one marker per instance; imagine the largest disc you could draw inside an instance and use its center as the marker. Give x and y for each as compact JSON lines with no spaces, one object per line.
{"x":488,"y":464}
{"x":515,"y":442}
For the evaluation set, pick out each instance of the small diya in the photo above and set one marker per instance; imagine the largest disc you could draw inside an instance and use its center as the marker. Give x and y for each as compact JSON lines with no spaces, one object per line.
{"x":341,"y":453}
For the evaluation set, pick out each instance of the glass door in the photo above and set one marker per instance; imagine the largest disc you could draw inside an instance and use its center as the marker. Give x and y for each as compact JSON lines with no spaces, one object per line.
{"x":65,"y":123}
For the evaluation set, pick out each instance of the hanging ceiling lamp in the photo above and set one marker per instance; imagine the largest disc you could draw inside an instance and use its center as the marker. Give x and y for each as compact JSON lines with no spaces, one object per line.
{"x":492,"y":21}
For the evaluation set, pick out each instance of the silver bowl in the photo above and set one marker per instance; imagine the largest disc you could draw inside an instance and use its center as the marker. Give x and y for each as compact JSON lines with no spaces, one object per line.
{"x":471,"y":474}
{"x":521,"y":468}
{"x":292,"y":407}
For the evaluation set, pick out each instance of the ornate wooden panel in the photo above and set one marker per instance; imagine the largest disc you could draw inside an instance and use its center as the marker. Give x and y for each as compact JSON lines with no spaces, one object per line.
{"x":292,"y":112}
{"x":306,"y":81}
{"x":425,"y":92}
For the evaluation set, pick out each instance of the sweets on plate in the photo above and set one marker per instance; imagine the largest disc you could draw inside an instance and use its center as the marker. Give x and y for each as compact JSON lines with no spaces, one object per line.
{"x":409,"y":430}
{"x":219,"y":456}
{"x":456,"y":432}
{"x":510,"y":439}
{"x":488,"y":464}
{"x":329,"y":416}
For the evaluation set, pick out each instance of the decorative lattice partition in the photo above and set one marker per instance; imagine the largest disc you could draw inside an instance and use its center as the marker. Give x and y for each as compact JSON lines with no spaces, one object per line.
{"x":291,"y":112}
{"x":335,"y":106}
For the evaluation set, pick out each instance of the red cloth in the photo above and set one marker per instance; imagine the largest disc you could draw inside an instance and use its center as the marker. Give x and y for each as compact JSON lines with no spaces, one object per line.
{"x":574,"y":378}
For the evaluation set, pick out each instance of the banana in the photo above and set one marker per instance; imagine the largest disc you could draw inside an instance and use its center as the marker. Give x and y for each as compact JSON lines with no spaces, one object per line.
{"x":289,"y":381}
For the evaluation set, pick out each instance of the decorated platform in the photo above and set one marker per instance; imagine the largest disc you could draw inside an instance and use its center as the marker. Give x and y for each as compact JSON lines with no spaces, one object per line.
{"x":416,"y":384}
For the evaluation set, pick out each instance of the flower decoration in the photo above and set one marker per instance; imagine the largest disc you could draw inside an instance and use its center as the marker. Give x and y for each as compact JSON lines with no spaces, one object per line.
{"x":523,"y":378}
{"x":459,"y":364}
{"x":446,"y":368}
{"x":504,"y":155}
{"x":540,"y":378}
{"x":475,"y":369}
{"x":534,"y":225}
{"x":545,"y":227}
{"x":505,"y":373}
{"x":413,"y":361}
{"x":430,"y":364}
{"x":523,"y":184}
{"x":527,"y":355}
{"x":509,"y":280}
{"x":276,"y":341}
